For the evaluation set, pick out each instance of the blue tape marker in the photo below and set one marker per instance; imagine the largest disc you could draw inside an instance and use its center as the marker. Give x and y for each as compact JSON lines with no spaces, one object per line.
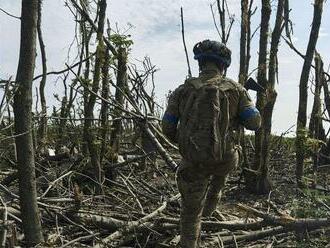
{"x":171,"y":118}
{"x":248,"y":113}
{"x":207,"y":56}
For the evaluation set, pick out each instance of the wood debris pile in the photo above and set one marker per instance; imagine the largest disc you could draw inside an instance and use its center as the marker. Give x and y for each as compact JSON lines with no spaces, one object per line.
{"x":139,"y":207}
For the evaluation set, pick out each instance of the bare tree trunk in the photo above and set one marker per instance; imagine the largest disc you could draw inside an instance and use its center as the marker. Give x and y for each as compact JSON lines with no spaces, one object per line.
{"x":248,"y":38}
{"x":119,"y":99}
{"x":222,"y":13}
{"x":184,"y":43}
{"x":316,"y":129}
{"x":243,"y":67}
{"x":86,"y":36}
{"x":43,"y":122}
{"x":88,"y":127}
{"x":302,"y":109}
{"x":225,"y":29}
{"x":105,"y":106}
{"x":23,"y":124}
{"x":253,"y":183}
{"x":271,"y":92}
{"x":266,"y":100}
{"x":326,"y":149}
{"x":243,"y":41}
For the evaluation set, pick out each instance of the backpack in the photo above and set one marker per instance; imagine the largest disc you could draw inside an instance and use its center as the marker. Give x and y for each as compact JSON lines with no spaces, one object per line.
{"x":204,"y":122}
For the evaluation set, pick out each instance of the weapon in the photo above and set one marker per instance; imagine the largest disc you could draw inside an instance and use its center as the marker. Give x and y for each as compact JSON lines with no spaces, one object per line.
{"x":251,"y":84}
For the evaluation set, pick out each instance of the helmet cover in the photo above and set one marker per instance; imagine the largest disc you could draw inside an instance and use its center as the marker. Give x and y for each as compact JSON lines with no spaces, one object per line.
{"x":214,"y":51}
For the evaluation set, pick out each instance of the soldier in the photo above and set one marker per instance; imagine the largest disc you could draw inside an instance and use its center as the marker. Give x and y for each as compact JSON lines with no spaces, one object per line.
{"x":203,"y":116}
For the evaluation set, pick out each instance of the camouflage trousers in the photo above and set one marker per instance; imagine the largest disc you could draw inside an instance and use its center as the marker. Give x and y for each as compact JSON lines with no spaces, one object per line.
{"x":200,"y":190}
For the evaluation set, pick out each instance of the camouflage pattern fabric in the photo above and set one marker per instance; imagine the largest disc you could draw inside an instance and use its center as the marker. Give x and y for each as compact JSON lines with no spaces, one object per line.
{"x":200,"y":186}
{"x":200,"y":191}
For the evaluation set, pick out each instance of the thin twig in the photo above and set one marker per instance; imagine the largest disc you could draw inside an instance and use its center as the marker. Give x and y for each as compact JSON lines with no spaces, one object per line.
{"x":184,"y":43}
{"x":7,"y":13}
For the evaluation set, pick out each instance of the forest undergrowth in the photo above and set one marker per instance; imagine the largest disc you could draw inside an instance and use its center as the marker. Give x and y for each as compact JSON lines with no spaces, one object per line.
{"x":140,"y":207}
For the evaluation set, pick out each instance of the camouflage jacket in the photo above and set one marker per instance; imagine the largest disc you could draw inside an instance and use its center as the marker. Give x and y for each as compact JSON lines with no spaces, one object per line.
{"x":241,"y":108}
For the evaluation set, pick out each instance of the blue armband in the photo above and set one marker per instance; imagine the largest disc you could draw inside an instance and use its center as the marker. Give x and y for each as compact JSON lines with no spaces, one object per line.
{"x":172,"y":119}
{"x":248,"y":113}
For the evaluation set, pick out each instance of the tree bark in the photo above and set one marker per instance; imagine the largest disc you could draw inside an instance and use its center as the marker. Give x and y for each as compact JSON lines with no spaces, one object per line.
{"x":119,"y":98}
{"x":243,"y":66}
{"x":86,"y":35}
{"x":270,"y":89}
{"x":316,"y":129}
{"x":248,"y":38}
{"x":43,"y":119}
{"x":253,"y":183}
{"x":88,"y":130}
{"x":243,"y":41}
{"x":303,"y":87}
{"x":266,"y":100}
{"x":23,"y":124}
{"x":105,"y":106}
{"x":262,"y":72}
{"x":222,"y":14}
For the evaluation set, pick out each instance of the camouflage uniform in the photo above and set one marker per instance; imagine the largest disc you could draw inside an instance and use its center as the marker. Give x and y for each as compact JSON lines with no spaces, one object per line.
{"x":200,"y":186}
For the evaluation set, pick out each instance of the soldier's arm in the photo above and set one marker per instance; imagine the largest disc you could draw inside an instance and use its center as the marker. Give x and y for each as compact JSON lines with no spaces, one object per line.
{"x":249,"y":115}
{"x":171,"y":116}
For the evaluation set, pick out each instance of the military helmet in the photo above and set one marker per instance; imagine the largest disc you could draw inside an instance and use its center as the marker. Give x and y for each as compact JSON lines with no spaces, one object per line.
{"x":211,"y":50}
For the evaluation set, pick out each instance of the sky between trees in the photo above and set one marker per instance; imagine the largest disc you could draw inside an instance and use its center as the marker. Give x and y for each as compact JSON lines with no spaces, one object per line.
{"x":156,"y":32}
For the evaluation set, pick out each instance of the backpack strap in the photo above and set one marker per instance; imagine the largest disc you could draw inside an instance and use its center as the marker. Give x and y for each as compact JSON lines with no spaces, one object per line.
{"x":223,"y":121}
{"x":195,"y":82}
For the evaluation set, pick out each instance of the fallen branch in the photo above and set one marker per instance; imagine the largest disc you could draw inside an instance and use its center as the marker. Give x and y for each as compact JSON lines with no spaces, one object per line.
{"x":287,"y":221}
{"x":252,"y":236}
{"x":163,"y":153}
{"x":132,"y":225}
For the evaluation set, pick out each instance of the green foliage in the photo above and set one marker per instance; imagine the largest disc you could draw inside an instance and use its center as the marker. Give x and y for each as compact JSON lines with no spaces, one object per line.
{"x":309,"y":146}
{"x":100,"y":51}
{"x":309,"y":206}
{"x":120,"y":40}
{"x":313,"y":145}
{"x":321,"y":242}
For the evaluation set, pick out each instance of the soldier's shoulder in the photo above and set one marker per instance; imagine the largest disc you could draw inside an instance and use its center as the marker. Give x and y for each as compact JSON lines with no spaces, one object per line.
{"x":191,"y":80}
{"x":178,"y":91}
{"x":195,"y":82}
{"x":230,"y":83}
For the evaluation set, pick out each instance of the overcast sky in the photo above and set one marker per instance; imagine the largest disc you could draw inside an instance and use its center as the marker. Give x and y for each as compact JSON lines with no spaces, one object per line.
{"x":157,"y":33}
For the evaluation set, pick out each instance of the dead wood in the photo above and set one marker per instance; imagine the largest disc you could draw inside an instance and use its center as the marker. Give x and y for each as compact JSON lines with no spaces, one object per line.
{"x":252,"y":236}
{"x":287,"y":221}
{"x":109,"y":166}
{"x":165,"y":155}
{"x":134,"y":224}
{"x":104,"y":222}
